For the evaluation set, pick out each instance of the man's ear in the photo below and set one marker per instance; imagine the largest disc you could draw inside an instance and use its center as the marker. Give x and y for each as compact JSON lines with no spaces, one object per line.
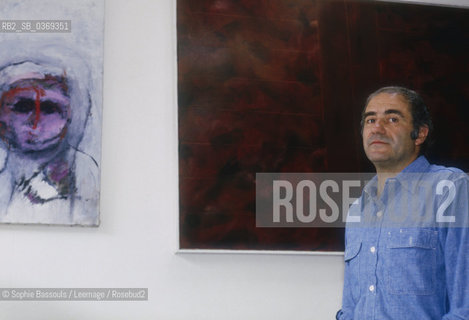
{"x":422,"y":135}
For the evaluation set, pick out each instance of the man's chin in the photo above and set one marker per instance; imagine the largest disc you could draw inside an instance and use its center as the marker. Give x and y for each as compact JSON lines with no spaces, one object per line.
{"x":377,"y":156}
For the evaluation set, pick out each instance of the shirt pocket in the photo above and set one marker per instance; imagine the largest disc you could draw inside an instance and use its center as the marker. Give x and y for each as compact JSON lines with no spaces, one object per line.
{"x":411,"y":261}
{"x":352,"y":264}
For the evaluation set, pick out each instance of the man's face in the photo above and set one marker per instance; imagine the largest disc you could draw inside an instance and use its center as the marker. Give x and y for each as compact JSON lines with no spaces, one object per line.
{"x":387,"y":132}
{"x":34,"y":115}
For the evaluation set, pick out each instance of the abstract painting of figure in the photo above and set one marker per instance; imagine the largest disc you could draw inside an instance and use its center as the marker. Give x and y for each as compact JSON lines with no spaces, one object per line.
{"x":50,"y":96}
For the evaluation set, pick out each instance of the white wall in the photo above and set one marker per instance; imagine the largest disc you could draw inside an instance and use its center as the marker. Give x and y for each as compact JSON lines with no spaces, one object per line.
{"x":136,"y":242}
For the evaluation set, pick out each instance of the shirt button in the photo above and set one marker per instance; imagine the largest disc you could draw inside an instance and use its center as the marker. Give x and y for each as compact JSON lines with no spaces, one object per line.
{"x":373,"y":249}
{"x":371,"y":288}
{"x":379,"y":214}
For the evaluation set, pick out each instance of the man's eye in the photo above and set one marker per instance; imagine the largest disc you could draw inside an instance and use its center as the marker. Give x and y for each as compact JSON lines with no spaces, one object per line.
{"x":24,"y":106}
{"x":393,"y":119}
{"x":370,"y":121}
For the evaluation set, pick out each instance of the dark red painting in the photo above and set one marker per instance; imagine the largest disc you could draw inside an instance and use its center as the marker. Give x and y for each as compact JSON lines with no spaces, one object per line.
{"x":278,"y":86}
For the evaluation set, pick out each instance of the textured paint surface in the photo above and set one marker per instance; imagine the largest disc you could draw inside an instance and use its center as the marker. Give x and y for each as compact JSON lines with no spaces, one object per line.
{"x":278,"y":86}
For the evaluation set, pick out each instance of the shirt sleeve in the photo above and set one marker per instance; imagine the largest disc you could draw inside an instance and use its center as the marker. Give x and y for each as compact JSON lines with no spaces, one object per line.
{"x":456,"y":254}
{"x":348,"y":303}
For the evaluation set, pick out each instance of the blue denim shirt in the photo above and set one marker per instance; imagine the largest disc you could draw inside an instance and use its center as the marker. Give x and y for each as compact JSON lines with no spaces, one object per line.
{"x":414,"y":271}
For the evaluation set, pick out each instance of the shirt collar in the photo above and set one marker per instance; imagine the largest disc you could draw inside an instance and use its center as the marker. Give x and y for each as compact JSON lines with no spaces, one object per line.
{"x":371,"y":188}
{"x":407,"y":177}
{"x":419,"y":165}
{"x":410,"y":177}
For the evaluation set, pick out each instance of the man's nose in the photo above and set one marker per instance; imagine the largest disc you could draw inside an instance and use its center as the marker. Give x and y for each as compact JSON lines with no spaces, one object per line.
{"x":378,"y":126}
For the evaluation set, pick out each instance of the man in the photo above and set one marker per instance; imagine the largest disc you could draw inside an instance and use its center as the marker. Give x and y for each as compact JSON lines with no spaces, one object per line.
{"x":408,"y":258}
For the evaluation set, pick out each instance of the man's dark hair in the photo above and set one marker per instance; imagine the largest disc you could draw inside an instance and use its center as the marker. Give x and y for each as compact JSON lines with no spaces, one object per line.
{"x":419,"y":111}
